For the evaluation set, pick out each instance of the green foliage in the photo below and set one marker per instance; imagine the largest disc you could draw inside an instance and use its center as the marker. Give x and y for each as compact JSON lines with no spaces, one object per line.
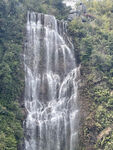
{"x":87,"y":47}
{"x":54,"y":7}
{"x":11,"y":74}
{"x":11,"y":132}
{"x":94,"y":43}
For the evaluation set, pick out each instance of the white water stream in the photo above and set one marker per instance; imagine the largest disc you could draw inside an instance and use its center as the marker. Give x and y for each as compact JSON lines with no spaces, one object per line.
{"x":50,"y":86}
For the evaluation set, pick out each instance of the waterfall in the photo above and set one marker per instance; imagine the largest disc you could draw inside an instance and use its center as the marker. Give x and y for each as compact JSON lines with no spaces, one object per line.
{"x":50,"y":85}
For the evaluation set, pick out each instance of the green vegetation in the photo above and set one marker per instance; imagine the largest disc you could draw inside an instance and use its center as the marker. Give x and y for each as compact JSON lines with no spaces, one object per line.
{"x":11,"y":74}
{"x":54,"y":7}
{"x":94,"y":43}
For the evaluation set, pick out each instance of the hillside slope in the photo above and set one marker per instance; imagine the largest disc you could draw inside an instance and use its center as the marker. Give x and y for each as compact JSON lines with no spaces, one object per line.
{"x":93,"y":40}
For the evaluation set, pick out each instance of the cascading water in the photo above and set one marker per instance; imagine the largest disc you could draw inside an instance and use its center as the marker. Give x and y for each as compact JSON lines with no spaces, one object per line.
{"x":50,"y":86}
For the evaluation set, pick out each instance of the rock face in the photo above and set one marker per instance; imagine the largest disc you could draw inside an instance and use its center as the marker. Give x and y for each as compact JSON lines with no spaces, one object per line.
{"x":72,"y":16}
{"x":79,"y":11}
{"x":51,"y":83}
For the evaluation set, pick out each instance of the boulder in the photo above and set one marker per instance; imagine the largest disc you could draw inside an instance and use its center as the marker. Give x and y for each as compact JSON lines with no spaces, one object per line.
{"x":73,"y":11}
{"x":71,"y":16}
